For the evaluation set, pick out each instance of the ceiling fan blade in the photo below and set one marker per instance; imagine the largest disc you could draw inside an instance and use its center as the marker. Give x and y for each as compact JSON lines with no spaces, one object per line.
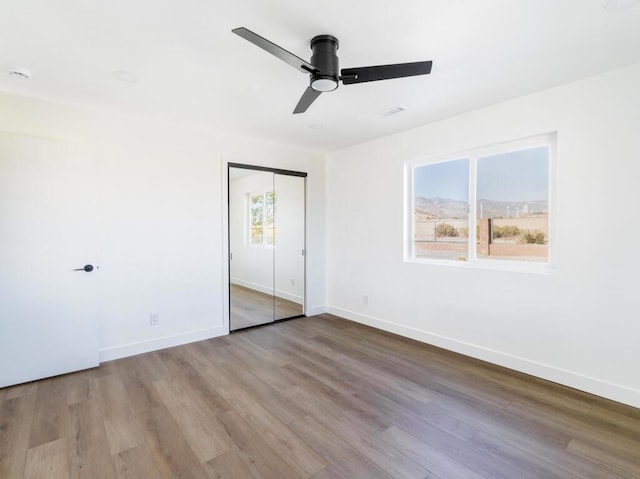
{"x":277,"y":51}
{"x":308,"y":97}
{"x":384,"y":72}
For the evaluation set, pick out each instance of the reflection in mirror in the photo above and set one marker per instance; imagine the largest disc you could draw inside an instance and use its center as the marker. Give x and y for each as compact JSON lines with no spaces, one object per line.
{"x":289,"y":246}
{"x":266,"y":246}
{"x":251,"y":233}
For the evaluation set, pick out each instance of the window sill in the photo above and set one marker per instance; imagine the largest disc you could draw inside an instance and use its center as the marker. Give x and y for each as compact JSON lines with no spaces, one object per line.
{"x":494,"y":265}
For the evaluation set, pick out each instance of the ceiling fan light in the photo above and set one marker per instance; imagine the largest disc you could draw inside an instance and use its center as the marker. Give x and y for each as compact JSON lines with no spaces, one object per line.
{"x":324,"y":84}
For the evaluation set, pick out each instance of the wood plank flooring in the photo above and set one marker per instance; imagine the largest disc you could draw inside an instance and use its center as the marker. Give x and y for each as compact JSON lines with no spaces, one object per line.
{"x":317,"y":398}
{"x":252,"y":308}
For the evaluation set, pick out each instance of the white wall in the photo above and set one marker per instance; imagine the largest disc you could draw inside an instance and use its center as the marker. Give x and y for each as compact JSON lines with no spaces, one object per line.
{"x":252,"y":266}
{"x":290,"y":240}
{"x":579,"y":325}
{"x":161,"y":216}
{"x":275,"y":270}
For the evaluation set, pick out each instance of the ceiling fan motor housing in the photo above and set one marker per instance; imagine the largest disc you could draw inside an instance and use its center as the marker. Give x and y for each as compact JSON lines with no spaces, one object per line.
{"x":325,"y":59}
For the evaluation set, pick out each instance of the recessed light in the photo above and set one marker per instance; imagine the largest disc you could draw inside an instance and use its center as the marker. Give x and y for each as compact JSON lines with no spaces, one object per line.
{"x":125,"y":76}
{"x":19,"y":72}
{"x":615,"y":5}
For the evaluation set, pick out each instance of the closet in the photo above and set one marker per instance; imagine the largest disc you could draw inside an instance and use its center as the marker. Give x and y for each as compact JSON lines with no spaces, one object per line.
{"x":266,"y":245}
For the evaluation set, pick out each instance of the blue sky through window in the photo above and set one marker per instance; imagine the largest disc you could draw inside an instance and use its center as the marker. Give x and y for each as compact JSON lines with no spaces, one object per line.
{"x":515,"y":176}
{"x":448,"y":179}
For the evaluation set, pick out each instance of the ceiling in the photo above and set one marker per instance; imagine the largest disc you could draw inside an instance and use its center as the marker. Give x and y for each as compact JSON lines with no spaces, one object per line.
{"x":191,"y":68}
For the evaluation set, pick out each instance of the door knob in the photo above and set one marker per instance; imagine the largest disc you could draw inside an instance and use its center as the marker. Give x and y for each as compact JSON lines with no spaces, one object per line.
{"x":88,"y":268}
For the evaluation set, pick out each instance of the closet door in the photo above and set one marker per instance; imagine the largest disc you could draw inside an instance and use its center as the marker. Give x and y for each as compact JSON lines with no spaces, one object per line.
{"x":289,"y":260}
{"x":251,"y":245}
{"x":266,"y":245}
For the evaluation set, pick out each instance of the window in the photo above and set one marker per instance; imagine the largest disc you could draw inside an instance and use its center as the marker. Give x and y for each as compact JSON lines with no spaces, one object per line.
{"x":513,"y":205}
{"x":500,"y":194}
{"x":441,"y":218}
{"x":261,"y":213}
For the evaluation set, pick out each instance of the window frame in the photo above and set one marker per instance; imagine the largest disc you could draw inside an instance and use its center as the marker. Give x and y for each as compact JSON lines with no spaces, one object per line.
{"x":473,"y":154}
{"x":248,"y":218}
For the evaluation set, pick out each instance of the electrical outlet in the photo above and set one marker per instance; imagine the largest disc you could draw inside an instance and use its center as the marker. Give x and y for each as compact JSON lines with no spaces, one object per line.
{"x":365,"y":299}
{"x":154,"y":319}
{"x":293,"y":282}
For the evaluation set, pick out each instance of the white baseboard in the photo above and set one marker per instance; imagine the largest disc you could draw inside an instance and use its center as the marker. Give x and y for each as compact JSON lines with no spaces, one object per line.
{"x":312,"y":311}
{"x":141,"y":347}
{"x":568,"y":378}
{"x":263,"y":289}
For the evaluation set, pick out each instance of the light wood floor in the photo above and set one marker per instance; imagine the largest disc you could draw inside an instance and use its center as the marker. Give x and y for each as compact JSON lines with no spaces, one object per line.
{"x":317,"y":397}
{"x":251,"y":308}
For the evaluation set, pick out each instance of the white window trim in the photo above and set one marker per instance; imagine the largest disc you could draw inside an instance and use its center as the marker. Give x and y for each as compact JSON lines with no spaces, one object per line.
{"x":472,"y":154}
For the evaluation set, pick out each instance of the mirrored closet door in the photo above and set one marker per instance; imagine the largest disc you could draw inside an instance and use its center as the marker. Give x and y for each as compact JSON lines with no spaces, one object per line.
{"x":266,"y":245}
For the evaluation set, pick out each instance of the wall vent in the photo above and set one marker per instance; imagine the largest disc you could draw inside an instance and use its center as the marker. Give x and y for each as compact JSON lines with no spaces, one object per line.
{"x":394,"y":111}
{"x":19,"y":72}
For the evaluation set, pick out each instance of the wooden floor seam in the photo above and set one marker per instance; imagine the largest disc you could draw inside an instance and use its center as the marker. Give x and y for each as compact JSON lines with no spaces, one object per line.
{"x":319,"y":397}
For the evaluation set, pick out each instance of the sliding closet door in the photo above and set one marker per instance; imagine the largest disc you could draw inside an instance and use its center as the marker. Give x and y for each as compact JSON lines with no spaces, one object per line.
{"x":251,"y":245}
{"x":289,"y":247}
{"x":266,"y":245}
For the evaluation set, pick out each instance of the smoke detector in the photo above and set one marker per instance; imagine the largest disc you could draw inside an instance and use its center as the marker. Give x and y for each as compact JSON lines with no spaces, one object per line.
{"x":19,"y":72}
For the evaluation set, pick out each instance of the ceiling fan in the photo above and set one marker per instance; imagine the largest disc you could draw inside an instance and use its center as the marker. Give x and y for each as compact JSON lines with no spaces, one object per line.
{"x":323,"y":67}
